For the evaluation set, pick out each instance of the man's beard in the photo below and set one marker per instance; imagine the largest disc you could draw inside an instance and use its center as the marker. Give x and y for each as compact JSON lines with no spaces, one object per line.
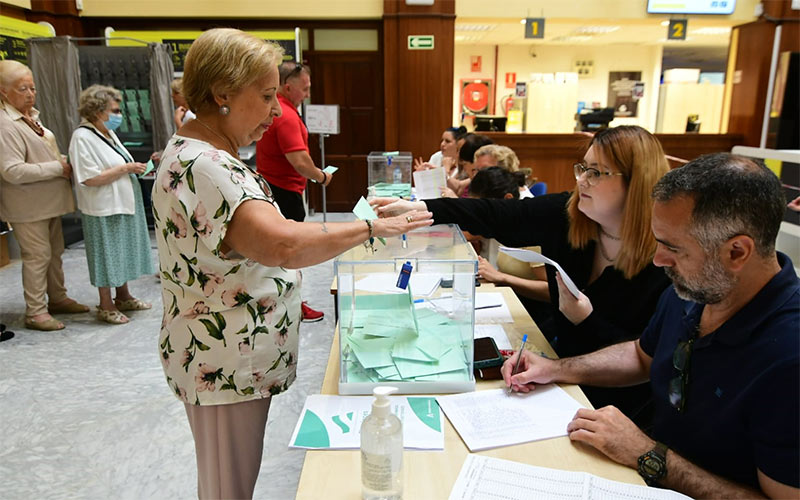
{"x":710,"y":286}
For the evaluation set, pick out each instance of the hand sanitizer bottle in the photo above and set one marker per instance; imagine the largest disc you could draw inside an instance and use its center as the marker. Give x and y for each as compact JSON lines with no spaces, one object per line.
{"x":382,"y":450}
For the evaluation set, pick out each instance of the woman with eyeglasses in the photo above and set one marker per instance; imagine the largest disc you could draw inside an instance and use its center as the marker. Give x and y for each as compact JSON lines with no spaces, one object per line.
{"x":599,"y":233}
{"x":34,"y":193}
{"x":110,"y":201}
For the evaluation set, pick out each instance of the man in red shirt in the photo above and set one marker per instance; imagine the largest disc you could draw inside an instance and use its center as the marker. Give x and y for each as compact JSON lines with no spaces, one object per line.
{"x":282,"y":153}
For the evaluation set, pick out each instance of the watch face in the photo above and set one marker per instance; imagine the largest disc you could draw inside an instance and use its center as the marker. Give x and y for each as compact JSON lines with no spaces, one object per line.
{"x":652,"y":466}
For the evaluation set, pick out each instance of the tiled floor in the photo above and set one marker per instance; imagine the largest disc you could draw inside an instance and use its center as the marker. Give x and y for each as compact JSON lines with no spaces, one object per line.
{"x":86,"y":412}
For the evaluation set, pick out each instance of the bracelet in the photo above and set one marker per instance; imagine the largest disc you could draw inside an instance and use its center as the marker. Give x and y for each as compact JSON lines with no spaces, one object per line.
{"x":371,"y":228}
{"x":324,"y":177}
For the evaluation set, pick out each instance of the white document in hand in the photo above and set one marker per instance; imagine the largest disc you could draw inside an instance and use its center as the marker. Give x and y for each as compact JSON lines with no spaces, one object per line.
{"x":531,"y":256}
{"x":430,"y":183}
{"x":482,"y":420}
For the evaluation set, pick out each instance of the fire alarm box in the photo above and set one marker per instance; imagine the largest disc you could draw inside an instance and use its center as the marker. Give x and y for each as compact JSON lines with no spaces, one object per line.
{"x":476,"y":97}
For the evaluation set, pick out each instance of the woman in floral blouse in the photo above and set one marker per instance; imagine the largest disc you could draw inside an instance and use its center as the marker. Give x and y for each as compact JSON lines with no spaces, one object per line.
{"x":228,"y":260}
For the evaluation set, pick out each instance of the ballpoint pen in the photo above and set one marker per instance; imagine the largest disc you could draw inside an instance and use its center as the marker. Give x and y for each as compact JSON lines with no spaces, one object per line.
{"x":519,"y":358}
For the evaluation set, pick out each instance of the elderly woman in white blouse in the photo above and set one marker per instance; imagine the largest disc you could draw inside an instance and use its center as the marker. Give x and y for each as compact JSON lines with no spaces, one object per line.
{"x":110,"y":200}
{"x":34,"y":193}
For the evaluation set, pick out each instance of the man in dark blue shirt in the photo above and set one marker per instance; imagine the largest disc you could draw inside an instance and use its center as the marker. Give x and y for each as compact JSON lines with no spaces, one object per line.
{"x":722,"y":350}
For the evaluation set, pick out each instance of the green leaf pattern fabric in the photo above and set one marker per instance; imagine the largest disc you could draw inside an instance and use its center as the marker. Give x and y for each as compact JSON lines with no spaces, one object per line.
{"x":229,"y":331}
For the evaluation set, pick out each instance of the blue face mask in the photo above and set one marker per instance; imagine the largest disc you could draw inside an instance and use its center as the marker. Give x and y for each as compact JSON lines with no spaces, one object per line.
{"x":113,"y":122}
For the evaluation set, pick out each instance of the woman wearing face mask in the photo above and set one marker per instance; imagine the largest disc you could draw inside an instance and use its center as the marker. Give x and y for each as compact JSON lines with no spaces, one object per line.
{"x":110,"y":199}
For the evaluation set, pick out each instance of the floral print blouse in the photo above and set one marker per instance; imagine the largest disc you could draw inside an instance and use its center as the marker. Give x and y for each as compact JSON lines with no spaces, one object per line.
{"x":229,"y":333}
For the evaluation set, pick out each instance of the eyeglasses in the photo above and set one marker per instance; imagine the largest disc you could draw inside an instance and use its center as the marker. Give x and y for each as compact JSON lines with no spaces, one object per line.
{"x":678,"y":385}
{"x":593,"y":175}
{"x":296,"y":70}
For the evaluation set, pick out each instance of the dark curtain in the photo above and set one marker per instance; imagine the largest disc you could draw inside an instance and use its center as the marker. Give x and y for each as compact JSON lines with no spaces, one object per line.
{"x":161,"y":72}
{"x":56,"y":71}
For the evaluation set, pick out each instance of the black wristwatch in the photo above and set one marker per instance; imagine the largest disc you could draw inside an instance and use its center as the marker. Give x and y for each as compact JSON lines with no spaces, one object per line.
{"x":653,"y":464}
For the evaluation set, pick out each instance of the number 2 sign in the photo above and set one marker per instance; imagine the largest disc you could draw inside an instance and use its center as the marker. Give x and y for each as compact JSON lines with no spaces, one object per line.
{"x":677,"y":29}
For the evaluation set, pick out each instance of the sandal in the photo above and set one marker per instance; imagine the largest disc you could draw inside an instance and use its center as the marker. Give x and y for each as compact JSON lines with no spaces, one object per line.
{"x":114,"y":317}
{"x":47,"y":325}
{"x":132,"y":305}
{"x":68,"y":308}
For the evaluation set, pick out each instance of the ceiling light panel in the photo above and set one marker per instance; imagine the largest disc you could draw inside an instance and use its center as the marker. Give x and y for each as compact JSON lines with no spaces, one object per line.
{"x":596,"y":30}
{"x":475,"y":27}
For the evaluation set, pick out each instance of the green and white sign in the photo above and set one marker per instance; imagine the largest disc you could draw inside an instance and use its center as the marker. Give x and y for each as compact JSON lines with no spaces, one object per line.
{"x":420,"y":42}
{"x":334,"y":422}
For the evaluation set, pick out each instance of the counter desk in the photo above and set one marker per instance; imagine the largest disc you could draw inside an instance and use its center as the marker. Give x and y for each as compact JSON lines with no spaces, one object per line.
{"x":430,"y":475}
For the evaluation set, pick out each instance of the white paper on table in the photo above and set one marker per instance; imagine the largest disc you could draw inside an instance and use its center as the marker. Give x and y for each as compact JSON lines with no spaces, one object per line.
{"x":424,"y":284}
{"x":490,"y":307}
{"x":334,"y":422}
{"x":531,"y":256}
{"x":497,"y":332}
{"x":430,"y":183}
{"x":488,"y":478}
{"x":485,"y":314}
{"x":495,"y":418}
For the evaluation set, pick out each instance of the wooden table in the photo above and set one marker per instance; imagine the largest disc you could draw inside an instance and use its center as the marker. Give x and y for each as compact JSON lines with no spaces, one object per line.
{"x":336,"y":474}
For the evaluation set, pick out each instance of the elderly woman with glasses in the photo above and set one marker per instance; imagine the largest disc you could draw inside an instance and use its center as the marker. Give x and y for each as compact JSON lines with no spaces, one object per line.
{"x":600,"y":234}
{"x":229,"y":260}
{"x":110,"y":200}
{"x":34,"y":193}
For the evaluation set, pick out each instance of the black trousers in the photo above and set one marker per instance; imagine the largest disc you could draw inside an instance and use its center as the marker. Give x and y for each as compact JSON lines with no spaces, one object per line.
{"x":290,"y":203}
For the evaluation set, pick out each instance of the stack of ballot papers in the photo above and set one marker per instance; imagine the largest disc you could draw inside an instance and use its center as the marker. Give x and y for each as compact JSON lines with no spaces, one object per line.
{"x":334,"y":422}
{"x":495,"y":418}
{"x":487,"y":478}
{"x":400,"y":190}
{"x":388,"y":339}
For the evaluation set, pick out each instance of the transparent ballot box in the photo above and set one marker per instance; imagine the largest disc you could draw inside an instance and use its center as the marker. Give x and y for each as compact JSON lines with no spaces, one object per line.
{"x":418,"y":339}
{"x":389,"y":174}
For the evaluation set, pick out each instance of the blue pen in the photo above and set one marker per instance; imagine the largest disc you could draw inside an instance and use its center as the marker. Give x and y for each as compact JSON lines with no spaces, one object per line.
{"x":519,"y":358}
{"x":405,"y":241}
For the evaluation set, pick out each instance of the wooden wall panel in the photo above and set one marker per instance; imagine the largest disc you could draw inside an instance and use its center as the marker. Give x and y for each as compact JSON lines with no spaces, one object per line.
{"x":751,"y":78}
{"x":551,"y":156}
{"x":418,"y":84}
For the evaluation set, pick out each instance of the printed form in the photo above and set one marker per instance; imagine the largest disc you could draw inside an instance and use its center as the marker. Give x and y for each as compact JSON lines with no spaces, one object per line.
{"x":487,"y":478}
{"x":482,"y":420}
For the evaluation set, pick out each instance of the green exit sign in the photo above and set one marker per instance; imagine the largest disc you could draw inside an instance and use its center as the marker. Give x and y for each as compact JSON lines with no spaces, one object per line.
{"x":420,"y":42}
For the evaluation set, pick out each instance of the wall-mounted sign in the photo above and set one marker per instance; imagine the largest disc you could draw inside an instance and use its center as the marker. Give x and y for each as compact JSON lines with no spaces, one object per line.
{"x":420,"y":42}
{"x":511,"y":80}
{"x":521,"y":90}
{"x":534,"y":27}
{"x":677,"y":29}
{"x":475,"y":64}
{"x":13,"y":33}
{"x":623,"y":92}
{"x":180,"y":41}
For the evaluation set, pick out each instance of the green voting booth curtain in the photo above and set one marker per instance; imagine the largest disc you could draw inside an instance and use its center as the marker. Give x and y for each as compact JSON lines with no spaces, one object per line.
{"x":56,"y":72}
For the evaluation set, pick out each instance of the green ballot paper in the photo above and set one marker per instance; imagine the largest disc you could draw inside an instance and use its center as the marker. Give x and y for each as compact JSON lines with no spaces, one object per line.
{"x":330,"y":169}
{"x":150,"y":167}
{"x":363,"y":211}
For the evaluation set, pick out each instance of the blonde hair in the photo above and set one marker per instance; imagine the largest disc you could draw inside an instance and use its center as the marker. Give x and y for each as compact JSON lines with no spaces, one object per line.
{"x":94,"y":100}
{"x":11,"y":72}
{"x":175,"y":85}
{"x":224,"y":61}
{"x":504,"y":156}
{"x":640,"y":158}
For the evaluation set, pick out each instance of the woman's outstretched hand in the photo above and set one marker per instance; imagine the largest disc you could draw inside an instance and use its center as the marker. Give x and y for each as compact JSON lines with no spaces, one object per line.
{"x":393,"y":226}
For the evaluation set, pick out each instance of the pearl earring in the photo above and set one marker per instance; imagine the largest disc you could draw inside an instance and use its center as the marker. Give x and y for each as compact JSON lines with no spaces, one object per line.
{"x":224,"y":110}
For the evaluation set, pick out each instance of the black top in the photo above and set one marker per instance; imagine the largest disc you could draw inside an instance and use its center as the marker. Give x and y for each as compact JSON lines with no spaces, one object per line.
{"x":621,"y":307}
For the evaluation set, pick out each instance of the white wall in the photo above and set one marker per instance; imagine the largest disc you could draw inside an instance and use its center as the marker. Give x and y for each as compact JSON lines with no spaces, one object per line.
{"x":559,"y":58}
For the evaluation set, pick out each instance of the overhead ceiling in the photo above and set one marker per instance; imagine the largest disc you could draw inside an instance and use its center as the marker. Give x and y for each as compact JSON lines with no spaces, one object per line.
{"x":652,"y":31}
